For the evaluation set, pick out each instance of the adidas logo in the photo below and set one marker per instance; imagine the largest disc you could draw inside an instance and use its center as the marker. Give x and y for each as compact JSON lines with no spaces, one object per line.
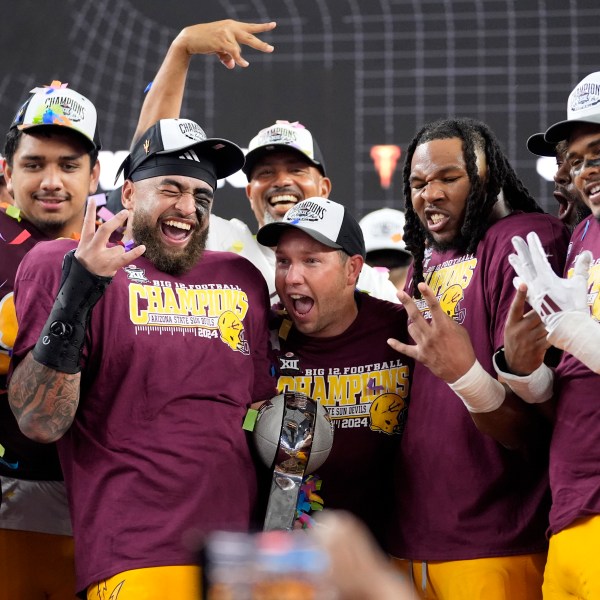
{"x":189,"y":155}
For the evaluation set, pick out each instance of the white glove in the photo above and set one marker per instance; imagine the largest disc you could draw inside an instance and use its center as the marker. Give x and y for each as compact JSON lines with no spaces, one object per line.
{"x":560,"y":303}
{"x":548,"y":293}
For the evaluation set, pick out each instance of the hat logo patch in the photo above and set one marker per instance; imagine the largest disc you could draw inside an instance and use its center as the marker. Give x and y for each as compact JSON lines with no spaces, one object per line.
{"x":585,"y":96}
{"x":190,"y":155}
{"x":192,"y":131}
{"x":65,"y":106}
{"x":277,"y":135}
{"x":306,"y":211}
{"x":387,"y":230}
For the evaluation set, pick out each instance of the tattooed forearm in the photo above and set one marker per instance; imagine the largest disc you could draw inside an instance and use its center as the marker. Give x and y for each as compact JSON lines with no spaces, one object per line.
{"x":43,"y":400}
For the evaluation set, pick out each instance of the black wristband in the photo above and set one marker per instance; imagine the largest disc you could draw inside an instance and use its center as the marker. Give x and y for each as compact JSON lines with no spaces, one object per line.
{"x":500,"y":360}
{"x":61,"y":342}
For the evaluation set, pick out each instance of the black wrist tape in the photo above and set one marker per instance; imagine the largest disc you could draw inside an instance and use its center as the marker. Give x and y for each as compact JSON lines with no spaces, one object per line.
{"x":61,"y":342}
{"x":500,"y":360}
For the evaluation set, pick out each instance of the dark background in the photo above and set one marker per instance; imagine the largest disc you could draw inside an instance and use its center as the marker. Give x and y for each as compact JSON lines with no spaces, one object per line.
{"x":356,"y":73}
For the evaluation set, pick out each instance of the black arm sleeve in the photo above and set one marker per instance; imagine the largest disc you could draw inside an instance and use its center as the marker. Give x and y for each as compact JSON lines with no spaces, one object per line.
{"x":61,"y":342}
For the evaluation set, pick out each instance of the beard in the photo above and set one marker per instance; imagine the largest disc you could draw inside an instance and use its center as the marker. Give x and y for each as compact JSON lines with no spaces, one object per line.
{"x":269,"y":218}
{"x":582,"y":212}
{"x":174,"y":261}
{"x":458,"y":242}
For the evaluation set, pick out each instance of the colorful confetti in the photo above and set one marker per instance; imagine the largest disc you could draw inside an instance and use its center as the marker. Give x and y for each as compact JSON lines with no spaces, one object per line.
{"x":308,"y":501}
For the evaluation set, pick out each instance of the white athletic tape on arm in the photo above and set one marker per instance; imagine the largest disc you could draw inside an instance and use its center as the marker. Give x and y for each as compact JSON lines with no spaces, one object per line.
{"x":578,"y":334}
{"x":534,"y":388}
{"x":478,"y":390}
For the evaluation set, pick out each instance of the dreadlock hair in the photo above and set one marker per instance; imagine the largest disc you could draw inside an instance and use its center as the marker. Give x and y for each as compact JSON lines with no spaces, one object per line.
{"x":483,"y":193}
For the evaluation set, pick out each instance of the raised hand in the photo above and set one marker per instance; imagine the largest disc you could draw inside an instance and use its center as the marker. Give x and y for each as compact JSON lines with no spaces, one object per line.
{"x":441,"y":344}
{"x":225,"y":38}
{"x":525,"y":341}
{"x":548,"y":293}
{"x":93,"y":251}
{"x":561,"y":303}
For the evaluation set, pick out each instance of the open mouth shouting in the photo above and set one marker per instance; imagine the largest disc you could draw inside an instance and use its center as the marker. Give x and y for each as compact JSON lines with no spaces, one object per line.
{"x":301,"y":305}
{"x":436,"y":221}
{"x":176,"y":231}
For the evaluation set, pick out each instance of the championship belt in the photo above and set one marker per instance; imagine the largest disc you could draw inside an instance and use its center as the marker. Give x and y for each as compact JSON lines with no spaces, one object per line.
{"x":291,"y":458}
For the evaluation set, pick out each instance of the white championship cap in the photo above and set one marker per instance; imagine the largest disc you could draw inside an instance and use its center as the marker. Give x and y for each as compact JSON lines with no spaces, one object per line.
{"x":283,"y":135}
{"x":383,"y":229}
{"x":583,"y":106}
{"x":324,"y":220}
{"x":58,"y":106}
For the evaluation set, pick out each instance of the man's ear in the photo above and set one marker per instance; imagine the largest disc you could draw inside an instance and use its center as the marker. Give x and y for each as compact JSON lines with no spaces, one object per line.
{"x":256,"y":207}
{"x":355,"y":264}
{"x":94,"y":178}
{"x":325,"y":187}
{"x":128,"y":194}
{"x":7,"y":175}
{"x":249,"y":195}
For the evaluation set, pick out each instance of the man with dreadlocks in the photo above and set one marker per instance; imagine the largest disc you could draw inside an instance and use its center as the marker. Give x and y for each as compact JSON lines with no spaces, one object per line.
{"x":472,"y":509}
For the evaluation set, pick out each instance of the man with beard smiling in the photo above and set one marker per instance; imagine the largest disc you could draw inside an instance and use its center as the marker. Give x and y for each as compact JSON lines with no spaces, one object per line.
{"x":174,"y":239}
{"x":148,"y":355}
{"x":471,"y":509}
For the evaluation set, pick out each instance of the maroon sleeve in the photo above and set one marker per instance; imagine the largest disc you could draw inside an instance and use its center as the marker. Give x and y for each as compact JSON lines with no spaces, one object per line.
{"x":265,"y":383}
{"x":499,"y":287}
{"x":36,"y":286}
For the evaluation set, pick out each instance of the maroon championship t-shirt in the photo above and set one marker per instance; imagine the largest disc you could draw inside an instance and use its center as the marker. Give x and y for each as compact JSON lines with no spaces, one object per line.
{"x":156,"y":455}
{"x":21,"y":458}
{"x":364,"y":384}
{"x":460,"y":494}
{"x":575,"y":448}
